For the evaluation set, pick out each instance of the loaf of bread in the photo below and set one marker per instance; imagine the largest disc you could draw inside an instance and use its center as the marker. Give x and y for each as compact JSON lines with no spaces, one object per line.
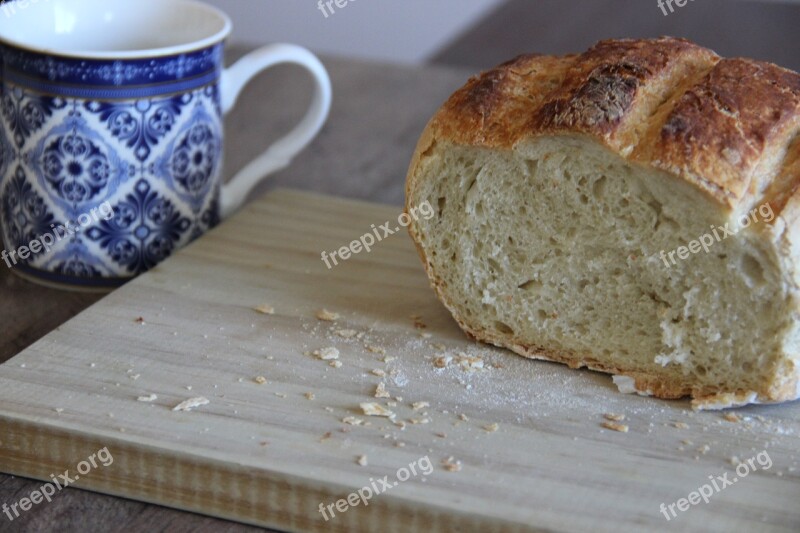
{"x":632,"y":210}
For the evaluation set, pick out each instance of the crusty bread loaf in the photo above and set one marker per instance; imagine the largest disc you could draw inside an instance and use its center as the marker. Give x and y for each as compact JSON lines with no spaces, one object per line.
{"x":562,"y":184}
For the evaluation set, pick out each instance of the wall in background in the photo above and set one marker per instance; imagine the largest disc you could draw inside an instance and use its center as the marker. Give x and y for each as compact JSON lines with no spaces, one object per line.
{"x":403,"y":31}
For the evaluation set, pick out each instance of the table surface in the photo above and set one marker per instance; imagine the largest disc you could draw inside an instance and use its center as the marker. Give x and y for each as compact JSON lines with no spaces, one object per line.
{"x":363,"y":152}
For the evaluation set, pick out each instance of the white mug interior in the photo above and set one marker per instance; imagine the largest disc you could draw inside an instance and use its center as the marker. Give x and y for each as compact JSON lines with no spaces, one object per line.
{"x":118,"y":29}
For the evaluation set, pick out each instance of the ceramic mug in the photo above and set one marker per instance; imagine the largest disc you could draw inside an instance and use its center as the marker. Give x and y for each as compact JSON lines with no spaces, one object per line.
{"x":111,"y":140}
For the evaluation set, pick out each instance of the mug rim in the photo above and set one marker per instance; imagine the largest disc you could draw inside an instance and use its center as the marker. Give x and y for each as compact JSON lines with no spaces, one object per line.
{"x":143,"y":53}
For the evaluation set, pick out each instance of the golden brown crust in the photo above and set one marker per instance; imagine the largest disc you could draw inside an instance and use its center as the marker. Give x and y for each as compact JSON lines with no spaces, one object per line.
{"x":722,"y":125}
{"x":729,"y":127}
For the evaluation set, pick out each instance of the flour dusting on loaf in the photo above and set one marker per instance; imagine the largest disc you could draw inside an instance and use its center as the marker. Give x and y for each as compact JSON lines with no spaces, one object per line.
{"x":561,"y":185}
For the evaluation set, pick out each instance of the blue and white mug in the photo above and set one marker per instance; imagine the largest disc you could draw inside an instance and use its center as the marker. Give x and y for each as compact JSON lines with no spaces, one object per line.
{"x":111,"y":140}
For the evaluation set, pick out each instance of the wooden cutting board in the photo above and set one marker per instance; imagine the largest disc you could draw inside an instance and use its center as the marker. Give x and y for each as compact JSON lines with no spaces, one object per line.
{"x":266,"y":454}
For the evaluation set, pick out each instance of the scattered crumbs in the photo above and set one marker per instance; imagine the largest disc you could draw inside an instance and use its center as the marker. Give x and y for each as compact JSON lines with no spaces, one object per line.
{"x":59,"y":410}
{"x":686,"y":442}
{"x":704,"y":449}
{"x":622,"y":428}
{"x":451,"y":464}
{"x":391,"y":404}
{"x":463,"y":417}
{"x":420,"y":405}
{"x":425,"y":335}
{"x":491,"y":428}
{"x":418,"y":323}
{"x":329,"y":409}
{"x":327,"y":316}
{"x":280,"y":395}
{"x":419,"y":420}
{"x":375,"y":409}
{"x":260,"y":380}
{"x":400,"y":444}
{"x":353,"y":421}
{"x":134,"y":377}
{"x":264,"y":309}
{"x":190,"y":404}
{"x":732,"y":417}
{"x":442,"y":361}
{"x":326,"y":436}
{"x":466,"y":362}
{"x":389,"y":359}
{"x":264,"y":443}
{"x":734,"y":461}
{"x":439,"y":346}
{"x":310,"y":396}
{"x":380,"y":391}
{"x":400,"y":424}
{"x":335,"y":364}
{"x":326,"y":354}
{"x":140,"y":321}
{"x":362,"y":460}
{"x":346,"y":333}
{"x":150,"y":398}
{"x":378,"y":372}
{"x":398,"y":398}
{"x":681,"y":425}
{"x":375,"y":349}
{"x":614,"y":417}
{"x":441,"y":435}
{"x":92,"y":365}
{"x":188,"y":387}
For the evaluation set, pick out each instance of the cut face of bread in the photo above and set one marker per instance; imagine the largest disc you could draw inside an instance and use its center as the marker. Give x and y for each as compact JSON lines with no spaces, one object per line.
{"x":560,"y":247}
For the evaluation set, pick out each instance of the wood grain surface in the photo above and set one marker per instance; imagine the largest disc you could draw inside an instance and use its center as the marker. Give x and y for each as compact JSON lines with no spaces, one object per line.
{"x":514,"y":444}
{"x":363,"y":152}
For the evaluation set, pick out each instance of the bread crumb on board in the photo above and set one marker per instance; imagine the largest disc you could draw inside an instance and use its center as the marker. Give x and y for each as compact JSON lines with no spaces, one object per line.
{"x":375,"y":349}
{"x":681,"y":425}
{"x":375,"y":409}
{"x":362,"y":460}
{"x":335,"y":364}
{"x":353,"y":421}
{"x":191,"y":403}
{"x":378,"y":372}
{"x":327,"y":316}
{"x":732,"y":417}
{"x":150,"y":398}
{"x":327,"y":354}
{"x":381,"y":392}
{"x":451,"y":464}
{"x":491,"y":428}
{"x":416,"y":406}
{"x":260,"y":380}
{"x":264,"y":309}
{"x":310,"y":396}
{"x":622,"y":428}
{"x":614,"y":417}
{"x":346,"y":333}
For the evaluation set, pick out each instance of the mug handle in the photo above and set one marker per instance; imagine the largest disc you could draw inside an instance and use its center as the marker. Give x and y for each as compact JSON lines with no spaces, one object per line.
{"x":280,"y":154}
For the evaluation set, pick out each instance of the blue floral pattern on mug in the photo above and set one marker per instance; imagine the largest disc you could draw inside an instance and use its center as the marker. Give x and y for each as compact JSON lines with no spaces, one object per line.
{"x":25,"y":213}
{"x":143,"y":135}
{"x":141,"y":125}
{"x":144,"y":231}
